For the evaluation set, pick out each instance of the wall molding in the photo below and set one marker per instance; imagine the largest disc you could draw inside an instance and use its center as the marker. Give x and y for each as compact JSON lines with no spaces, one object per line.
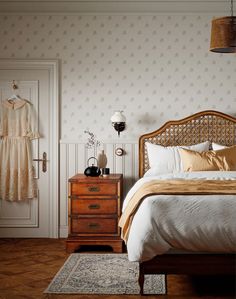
{"x":103,"y":141}
{"x":63,"y":231}
{"x":110,"y":6}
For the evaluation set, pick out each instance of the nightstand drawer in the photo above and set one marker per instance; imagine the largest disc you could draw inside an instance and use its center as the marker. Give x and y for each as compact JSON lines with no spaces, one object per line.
{"x":93,"y":206}
{"x":94,"y":226}
{"x":93,"y":189}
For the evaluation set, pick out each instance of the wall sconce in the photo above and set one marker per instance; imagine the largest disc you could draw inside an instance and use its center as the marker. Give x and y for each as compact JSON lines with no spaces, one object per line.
{"x":223,"y":34}
{"x":118,"y":121}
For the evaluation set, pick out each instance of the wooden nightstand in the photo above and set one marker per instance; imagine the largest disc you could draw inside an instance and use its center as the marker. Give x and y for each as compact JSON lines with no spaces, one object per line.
{"x":94,"y":211}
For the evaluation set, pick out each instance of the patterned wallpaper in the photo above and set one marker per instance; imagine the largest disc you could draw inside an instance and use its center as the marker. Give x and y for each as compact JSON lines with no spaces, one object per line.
{"x":153,"y":67}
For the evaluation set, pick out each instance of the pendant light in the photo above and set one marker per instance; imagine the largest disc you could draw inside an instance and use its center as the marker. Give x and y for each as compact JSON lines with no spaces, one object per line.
{"x":223,"y":34}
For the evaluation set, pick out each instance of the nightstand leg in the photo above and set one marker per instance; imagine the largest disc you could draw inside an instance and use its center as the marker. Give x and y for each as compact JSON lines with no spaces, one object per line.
{"x":117,"y":247}
{"x":72,"y":247}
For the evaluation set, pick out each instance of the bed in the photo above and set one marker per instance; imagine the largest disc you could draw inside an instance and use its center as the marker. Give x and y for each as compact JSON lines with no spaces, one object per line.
{"x":219,"y":130}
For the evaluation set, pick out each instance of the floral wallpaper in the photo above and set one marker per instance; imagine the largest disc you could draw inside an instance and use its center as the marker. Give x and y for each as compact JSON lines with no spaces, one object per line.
{"x":153,"y":67}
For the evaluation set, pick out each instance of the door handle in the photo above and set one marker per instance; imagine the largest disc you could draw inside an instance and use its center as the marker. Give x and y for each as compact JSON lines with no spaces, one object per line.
{"x":44,"y":160}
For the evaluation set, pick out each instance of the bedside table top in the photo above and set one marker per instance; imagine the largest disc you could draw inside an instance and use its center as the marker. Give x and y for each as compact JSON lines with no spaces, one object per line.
{"x":79,"y":177}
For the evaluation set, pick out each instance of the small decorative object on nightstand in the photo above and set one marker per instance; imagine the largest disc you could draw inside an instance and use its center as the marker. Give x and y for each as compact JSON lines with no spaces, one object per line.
{"x":92,"y":170}
{"x":94,"y":211}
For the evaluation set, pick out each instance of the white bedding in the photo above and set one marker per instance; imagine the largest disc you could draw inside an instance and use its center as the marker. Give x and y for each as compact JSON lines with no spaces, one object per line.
{"x":194,"y":223}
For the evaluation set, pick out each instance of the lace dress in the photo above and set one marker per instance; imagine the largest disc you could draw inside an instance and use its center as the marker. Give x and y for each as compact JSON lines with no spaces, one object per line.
{"x":17,"y":129}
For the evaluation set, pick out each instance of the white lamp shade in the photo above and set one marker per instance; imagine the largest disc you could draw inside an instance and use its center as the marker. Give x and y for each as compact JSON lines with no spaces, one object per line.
{"x":118,"y":117}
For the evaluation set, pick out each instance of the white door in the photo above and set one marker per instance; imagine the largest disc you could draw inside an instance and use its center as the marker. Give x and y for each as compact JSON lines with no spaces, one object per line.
{"x":36,"y":217}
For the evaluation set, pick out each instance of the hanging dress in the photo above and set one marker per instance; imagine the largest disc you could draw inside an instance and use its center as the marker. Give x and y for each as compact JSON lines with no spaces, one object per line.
{"x":18,"y":127}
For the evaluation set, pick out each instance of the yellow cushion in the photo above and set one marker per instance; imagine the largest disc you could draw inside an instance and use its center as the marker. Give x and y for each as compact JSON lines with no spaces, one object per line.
{"x":224,"y":160}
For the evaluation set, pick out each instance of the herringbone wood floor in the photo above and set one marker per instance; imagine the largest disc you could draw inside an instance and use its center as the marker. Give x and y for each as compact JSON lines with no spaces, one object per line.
{"x":28,"y":265}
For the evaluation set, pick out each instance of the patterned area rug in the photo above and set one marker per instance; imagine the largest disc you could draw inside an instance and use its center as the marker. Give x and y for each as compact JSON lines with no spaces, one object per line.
{"x":102,"y":274}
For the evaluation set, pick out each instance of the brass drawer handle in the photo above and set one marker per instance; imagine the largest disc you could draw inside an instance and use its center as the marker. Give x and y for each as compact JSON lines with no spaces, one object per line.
{"x":93,"y":225}
{"x":94,"y":189}
{"x":94,"y":206}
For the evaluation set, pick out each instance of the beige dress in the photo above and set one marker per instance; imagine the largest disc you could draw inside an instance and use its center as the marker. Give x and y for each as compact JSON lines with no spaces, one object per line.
{"x":18,"y":127}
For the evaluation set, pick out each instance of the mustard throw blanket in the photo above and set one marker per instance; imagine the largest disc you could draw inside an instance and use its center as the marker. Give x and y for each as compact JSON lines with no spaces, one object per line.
{"x":177,"y":187}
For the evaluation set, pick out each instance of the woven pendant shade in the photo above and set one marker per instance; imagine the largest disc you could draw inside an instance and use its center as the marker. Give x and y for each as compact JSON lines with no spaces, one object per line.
{"x":223,"y":35}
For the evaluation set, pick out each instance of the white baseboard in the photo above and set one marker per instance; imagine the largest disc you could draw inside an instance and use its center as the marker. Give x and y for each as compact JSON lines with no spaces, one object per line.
{"x":63,"y":232}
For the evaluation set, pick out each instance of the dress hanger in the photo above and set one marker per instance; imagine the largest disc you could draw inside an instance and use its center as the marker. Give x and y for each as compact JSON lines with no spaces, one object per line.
{"x":14,"y":97}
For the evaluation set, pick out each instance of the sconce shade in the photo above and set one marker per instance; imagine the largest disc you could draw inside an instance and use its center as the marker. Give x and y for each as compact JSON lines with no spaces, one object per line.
{"x":223,"y":35}
{"x":118,"y":117}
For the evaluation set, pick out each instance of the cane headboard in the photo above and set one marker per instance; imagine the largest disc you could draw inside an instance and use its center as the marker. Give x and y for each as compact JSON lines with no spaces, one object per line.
{"x":206,"y":125}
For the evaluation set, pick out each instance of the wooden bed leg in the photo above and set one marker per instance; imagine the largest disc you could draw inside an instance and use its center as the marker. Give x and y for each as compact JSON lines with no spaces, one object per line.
{"x":141,"y":279}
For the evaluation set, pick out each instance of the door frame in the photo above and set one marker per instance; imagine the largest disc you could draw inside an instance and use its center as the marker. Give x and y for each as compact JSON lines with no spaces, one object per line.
{"x":52,"y":66}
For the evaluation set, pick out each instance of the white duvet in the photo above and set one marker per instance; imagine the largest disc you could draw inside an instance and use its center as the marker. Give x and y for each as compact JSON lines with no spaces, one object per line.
{"x":205,"y":223}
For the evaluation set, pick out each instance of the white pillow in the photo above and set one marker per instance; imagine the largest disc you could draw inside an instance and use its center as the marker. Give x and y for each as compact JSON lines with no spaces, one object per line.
{"x":217,"y":146}
{"x":167,"y":159}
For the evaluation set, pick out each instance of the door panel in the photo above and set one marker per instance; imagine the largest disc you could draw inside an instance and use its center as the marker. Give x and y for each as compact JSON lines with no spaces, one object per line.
{"x":30,"y":218}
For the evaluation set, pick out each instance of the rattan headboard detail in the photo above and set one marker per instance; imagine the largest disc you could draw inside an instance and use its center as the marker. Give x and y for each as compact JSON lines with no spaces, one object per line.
{"x":206,"y":125}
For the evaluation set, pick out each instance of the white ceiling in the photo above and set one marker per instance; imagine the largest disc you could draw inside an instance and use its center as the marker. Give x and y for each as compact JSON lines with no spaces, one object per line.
{"x":118,"y":6}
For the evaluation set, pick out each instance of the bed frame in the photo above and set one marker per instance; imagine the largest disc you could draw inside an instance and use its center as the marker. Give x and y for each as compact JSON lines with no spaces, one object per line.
{"x":206,"y":125}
